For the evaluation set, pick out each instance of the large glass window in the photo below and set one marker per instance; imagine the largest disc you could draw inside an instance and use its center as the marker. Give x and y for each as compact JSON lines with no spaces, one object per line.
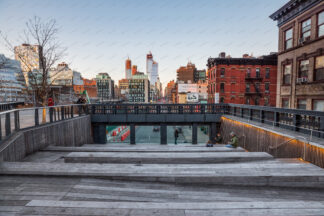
{"x":320,"y":28}
{"x":285,"y":103}
{"x":289,"y":38}
{"x":266,"y":87}
{"x":306,"y":28}
{"x":318,"y":105}
{"x":301,"y":104}
{"x":257,"y":72}
{"x":287,"y":74}
{"x":303,"y":68}
{"x":319,"y":68}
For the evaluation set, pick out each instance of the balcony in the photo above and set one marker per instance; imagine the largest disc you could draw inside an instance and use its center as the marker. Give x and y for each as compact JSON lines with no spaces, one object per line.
{"x":249,"y":93}
{"x":248,"y":77}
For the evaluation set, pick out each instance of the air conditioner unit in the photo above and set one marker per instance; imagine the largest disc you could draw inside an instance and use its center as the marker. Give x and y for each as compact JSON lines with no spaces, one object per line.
{"x":299,"y":80}
{"x":302,"y":80}
{"x":303,"y":40}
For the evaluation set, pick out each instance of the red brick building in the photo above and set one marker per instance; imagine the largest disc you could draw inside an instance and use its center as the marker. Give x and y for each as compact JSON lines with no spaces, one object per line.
{"x":245,"y":80}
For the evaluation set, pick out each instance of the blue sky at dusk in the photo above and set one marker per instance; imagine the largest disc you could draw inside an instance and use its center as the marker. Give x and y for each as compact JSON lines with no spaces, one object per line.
{"x":100,"y":34}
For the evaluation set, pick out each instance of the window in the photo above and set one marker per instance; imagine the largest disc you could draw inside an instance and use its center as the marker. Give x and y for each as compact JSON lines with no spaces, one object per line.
{"x":247,"y":90}
{"x":233,"y":87}
{"x":257,"y":73}
{"x":247,"y":101}
{"x":318,"y":105}
{"x":267,"y":73}
{"x":222,"y":100}
{"x":266,"y":101}
{"x":288,"y":38}
{"x":320,"y":23}
{"x":222,"y":72}
{"x":285,"y":103}
{"x":256,"y":101}
{"x":301,"y":104}
{"x":222,"y":87}
{"x":306,"y":28}
{"x":287,"y":74}
{"x":303,"y":68}
{"x":248,"y":73}
{"x":266,"y":87}
{"x":319,"y":68}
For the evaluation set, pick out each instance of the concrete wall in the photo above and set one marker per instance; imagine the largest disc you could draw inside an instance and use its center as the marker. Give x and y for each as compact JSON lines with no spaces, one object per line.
{"x":72,"y":132}
{"x":257,"y":139}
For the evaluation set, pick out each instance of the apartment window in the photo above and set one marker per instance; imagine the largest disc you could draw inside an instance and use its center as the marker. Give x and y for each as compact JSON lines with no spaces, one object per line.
{"x":301,"y":104}
{"x":256,"y":101}
{"x":266,"y":101}
{"x":247,"y":88}
{"x":222,"y":87}
{"x":233,"y":87}
{"x":267,"y":87}
{"x":257,"y":72}
{"x":285,"y":103}
{"x":319,"y":68}
{"x":267,"y":73}
{"x":248,"y":73}
{"x":287,"y":74}
{"x":303,"y":68}
{"x":222,"y":72}
{"x":222,"y":100}
{"x":288,"y":38}
{"x":318,"y":105}
{"x":320,"y":21}
{"x":257,"y":87}
{"x":247,"y":101}
{"x":306,"y":28}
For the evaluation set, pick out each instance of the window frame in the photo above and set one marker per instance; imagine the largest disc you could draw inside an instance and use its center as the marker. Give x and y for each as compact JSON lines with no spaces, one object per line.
{"x":302,"y":32}
{"x":267,"y":73}
{"x":282,"y":102}
{"x":283,"y":74}
{"x":265,"y":87}
{"x":301,"y":99}
{"x":286,"y":40}
{"x":315,"y":70}
{"x":320,"y":99}
{"x":299,"y":68}
{"x":222,"y":72}
{"x":221,"y":90}
{"x":318,"y":25}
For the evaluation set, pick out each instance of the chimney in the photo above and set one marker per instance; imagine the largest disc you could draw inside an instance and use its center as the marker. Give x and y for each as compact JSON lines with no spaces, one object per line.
{"x":222,"y":55}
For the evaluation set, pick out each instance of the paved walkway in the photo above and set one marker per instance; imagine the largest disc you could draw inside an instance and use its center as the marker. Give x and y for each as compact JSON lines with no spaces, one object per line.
{"x":44,"y":185}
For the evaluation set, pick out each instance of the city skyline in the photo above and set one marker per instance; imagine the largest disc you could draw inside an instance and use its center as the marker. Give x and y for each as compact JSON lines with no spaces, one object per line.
{"x":100,"y":35}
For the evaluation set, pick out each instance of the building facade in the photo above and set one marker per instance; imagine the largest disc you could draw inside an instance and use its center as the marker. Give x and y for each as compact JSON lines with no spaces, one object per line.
{"x":105,"y":87}
{"x":139,"y":89}
{"x":187,"y":74}
{"x":168,"y":91}
{"x":243,"y":80}
{"x":152,"y":69}
{"x":12,"y":81}
{"x":301,"y":55}
{"x":128,"y":69}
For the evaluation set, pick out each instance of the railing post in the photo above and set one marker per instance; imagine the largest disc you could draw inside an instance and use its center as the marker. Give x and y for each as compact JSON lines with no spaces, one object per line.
{"x":250,"y":114}
{"x":62,"y":113}
{"x":36,"y":117}
{"x":72,"y":111}
{"x":51,"y":114}
{"x":321,"y":127}
{"x":8,"y":125}
{"x":136,"y":109}
{"x":0,"y":128}
{"x":17,"y":122}
{"x":296,"y":121}
{"x":242,"y":112}
{"x":276,"y":119}
{"x":158,"y":109}
{"x":194,"y":134}
{"x":234,"y":111}
{"x":262,"y":116}
{"x":202,"y":109}
{"x":93,"y":109}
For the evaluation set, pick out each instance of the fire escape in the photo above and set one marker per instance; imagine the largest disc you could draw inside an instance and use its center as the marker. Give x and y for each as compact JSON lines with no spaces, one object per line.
{"x":255,"y":81}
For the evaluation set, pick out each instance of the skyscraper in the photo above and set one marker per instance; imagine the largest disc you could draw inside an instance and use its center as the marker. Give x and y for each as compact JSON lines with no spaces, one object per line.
{"x":134,"y":70}
{"x":151,"y":69}
{"x":128,"y":69}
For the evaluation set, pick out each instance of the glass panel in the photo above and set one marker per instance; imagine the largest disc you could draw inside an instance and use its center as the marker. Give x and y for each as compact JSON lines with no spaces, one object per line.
{"x":319,"y":62}
{"x":285,"y":103}
{"x":321,"y":18}
{"x":287,"y":69}
{"x":302,"y":104}
{"x":306,"y":27}
{"x":318,"y":105}
{"x":321,"y":30}
{"x":289,"y":34}
{"x":304,"y":65}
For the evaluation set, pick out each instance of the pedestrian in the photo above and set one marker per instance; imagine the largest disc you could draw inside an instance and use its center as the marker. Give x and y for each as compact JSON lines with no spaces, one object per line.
{"x":218,"y":139}
{"x":50,"y":102}
{"x":176,"y":135}
{"x":81,"y":101}
{"x":234,"y":141}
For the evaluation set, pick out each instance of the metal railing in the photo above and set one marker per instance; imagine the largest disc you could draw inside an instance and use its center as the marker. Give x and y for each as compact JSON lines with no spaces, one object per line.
{"x":12,"y":121}
{"x":9,"y":106}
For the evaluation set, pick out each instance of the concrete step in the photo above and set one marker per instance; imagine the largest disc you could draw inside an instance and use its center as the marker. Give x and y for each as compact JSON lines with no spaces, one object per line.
{"x":147,"y":148}
{"x":165,"y":157}
{"x":263,"y":173}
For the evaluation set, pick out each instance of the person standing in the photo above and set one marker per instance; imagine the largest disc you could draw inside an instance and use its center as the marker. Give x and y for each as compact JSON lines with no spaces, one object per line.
{"x":176,"y":135}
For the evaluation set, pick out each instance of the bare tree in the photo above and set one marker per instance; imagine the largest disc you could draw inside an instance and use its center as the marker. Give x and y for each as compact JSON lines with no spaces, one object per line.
{"x":43,"y":34}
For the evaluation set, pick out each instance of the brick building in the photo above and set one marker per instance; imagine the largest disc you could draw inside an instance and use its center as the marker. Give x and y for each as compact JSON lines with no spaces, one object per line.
{"x":245,"y":80}
{"x":301,"y":55}
{"x":187,"y":74}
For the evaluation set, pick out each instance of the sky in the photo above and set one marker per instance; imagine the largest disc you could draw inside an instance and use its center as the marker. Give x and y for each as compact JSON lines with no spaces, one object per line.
{"x":100,"y":34}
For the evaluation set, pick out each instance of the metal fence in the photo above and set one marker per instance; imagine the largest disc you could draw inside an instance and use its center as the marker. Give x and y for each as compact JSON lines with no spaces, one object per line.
{"x":9,"y":106}
{"x":14,"y":120}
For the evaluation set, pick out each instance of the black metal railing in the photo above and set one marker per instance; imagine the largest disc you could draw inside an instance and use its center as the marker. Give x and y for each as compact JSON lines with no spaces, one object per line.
{"x":12,"y":121}
{"x":9,"y":105}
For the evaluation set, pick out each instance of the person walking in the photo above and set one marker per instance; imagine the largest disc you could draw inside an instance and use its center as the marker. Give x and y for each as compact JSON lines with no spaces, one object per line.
{"x":234,"y":141}
{"x":176,"y":135}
